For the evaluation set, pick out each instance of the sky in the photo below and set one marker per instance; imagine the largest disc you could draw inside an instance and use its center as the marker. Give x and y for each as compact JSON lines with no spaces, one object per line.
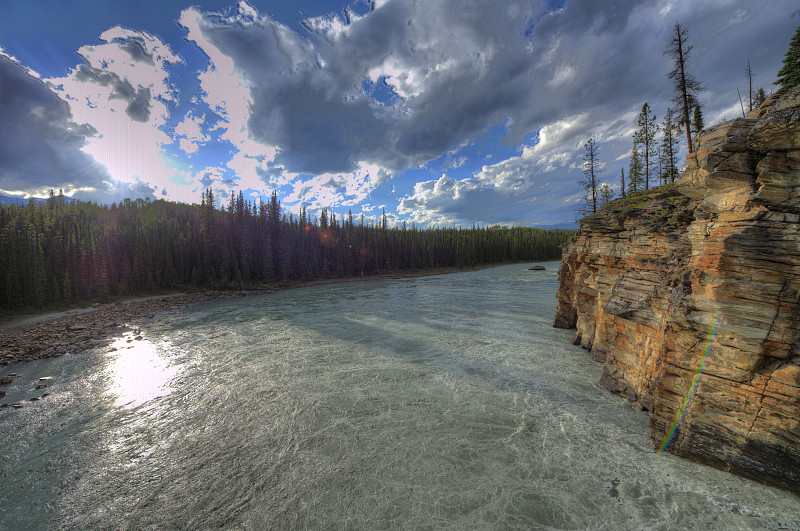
{"x":440,"y":113}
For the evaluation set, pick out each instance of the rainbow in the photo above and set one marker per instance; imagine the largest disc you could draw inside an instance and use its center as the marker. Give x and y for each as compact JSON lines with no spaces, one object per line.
{"x":692,"y":388}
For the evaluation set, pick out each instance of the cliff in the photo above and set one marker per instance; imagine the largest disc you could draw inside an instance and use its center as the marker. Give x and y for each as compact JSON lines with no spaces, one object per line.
{"x":690,"y":297}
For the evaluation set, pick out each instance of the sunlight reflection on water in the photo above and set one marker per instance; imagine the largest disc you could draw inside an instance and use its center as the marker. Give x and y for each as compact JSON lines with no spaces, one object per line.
{"x":138,"y":373}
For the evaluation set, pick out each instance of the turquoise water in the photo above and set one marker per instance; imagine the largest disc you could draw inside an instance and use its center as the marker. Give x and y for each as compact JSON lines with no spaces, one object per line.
{"x":438,"y":402}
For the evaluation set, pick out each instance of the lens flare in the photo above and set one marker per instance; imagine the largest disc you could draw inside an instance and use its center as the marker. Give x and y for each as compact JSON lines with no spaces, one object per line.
{"x":692,"y":388}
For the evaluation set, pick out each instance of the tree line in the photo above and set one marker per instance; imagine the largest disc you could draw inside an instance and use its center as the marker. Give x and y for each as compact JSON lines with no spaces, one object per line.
{"x":654,"y":161}
{"x":63,"y":252}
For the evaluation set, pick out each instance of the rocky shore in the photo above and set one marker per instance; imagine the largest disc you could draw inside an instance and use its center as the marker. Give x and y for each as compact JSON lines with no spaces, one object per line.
{"x":89,"y":329}
{"x":49,"y":335}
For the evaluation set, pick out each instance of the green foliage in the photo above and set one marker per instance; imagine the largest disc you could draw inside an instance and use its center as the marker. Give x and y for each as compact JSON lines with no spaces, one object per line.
{"x":61,"y":253}
{"x":636,"y":200}
{"x":605,"y":194}
{"x":645,"y":139}
{"x":668,"y":153}
{"x":760,"y":97}
{"x":657,"y":209}
{"x":698,"y":122}
{"x":789,"y":74}
{"x":635,"y":172}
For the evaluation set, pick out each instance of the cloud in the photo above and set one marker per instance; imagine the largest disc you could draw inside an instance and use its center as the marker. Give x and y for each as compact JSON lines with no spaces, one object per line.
{"x":122,"y":91}
{"x":138,"y":99}
{"x":337,"y":189}
{"x":190,"y":133}
{"x":326,"y":114}
{"x":304,"y":96}
{"x":451,"y":70}
{"x":522,"y":189}
{"x":41,"y":144}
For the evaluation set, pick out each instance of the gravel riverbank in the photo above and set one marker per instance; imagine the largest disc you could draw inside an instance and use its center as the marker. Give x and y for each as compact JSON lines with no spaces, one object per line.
{"x":61,"y":333}
{"x":28,"y":338}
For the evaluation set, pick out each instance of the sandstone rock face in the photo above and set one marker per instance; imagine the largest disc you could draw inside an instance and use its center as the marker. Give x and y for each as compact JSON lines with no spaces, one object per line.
{"x":690,"y":297}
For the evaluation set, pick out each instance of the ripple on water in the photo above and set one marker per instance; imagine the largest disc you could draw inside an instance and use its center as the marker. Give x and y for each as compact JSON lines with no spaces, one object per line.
{"x":447,"y":402}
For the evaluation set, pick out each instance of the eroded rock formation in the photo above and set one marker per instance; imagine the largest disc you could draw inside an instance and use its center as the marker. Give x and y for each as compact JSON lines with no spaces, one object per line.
{"x":649,"y":279}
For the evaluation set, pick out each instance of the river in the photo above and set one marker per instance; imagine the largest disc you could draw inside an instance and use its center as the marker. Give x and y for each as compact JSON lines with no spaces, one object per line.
{"x":434,"y":402}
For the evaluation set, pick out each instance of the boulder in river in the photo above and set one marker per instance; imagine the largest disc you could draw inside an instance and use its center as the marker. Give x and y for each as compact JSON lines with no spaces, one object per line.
{"x":536,"y":268}
{"x":6,"y":379}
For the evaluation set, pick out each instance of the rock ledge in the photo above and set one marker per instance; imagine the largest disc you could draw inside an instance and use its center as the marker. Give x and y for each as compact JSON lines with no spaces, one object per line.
{"x":649,"y":279}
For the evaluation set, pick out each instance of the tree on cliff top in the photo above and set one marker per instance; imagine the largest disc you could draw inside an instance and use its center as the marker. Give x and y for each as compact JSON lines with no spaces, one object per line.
{"x":635,"y":179}
{"x":789,"y":75}
{"x":669,"y":149}
{"x":605,"y":194}
{"x":591,"y":168}
{"x":646,"y":138}
{"x":698,"y":122}
{"x":686,"y":86}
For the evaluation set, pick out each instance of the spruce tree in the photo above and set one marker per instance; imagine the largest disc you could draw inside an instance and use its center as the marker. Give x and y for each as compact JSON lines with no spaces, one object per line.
{"x":698,"y":123}
{"x":646,"y":138}
{"x":760,"y":97}
{"x":669,"y":149}
{"x":605,"y":194}
{"x":635,"y":179}
{"x":789,"y":75}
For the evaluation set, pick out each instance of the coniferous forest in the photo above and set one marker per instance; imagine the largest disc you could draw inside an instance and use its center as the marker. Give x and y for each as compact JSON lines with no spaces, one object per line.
{"x":62,"y":252}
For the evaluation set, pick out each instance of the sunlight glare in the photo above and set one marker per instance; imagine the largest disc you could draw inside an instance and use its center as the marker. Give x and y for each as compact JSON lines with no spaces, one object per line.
{"x":138,"y":373}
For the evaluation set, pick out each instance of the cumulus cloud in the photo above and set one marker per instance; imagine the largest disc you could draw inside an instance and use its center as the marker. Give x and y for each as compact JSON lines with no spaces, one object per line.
{"x":524,"y":189}
{"x":191,"y":134}
{"x":454,"y":69}
{"x":122,"y":90}
{"x":337,"y":190}
{"x":327,"y":114}
{"x":41,"y":143}
{"x":454,"y":72}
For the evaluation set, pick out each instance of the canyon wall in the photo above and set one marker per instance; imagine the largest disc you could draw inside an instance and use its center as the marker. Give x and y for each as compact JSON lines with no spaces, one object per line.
{"x":690,"y":297}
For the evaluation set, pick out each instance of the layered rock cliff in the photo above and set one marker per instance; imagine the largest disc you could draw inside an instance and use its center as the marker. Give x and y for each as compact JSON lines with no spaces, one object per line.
{"x":690,"y":297}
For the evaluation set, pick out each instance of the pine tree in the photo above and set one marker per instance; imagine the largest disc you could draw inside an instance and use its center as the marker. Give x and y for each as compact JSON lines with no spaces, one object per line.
{"x":760,"y":97}
{"x":669,"y":149}
{"x":605,"y":194}
{"x":685,"y":85}
{"x":591,"y":168}
{"x":635,"y":175}
{"x":698,"y":124}
{"x":646,"y":138}
{"x":622,"y":189}
{"x":789,"y":75}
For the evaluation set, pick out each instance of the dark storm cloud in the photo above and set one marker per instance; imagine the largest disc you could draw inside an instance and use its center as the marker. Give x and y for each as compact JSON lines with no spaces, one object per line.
{"x":306,"y":93}
{"x":138,"y":99}
{"x":138,"y":50}
{"x":456,"y":68}
{"x":40,"y":145}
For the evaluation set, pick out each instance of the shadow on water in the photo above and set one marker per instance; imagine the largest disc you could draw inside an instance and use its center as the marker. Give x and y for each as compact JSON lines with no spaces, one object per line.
{"x":450,"y":330}
{"x":432,"y":402}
